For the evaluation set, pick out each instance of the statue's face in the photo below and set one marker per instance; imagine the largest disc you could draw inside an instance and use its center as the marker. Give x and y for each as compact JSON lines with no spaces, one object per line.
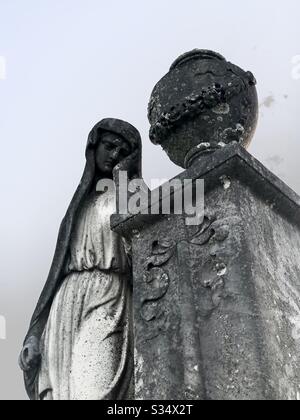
{"x":111,"y":150}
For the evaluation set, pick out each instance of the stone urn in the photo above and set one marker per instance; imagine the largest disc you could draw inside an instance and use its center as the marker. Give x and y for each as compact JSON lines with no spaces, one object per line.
{"x":203,"y":104}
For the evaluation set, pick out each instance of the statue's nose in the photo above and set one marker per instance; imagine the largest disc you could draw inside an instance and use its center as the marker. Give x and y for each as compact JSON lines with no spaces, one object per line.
{"x":115,"y":153}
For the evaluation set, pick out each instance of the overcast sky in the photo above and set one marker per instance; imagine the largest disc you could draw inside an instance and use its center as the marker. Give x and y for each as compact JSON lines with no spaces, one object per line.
{"x":66,"y":64}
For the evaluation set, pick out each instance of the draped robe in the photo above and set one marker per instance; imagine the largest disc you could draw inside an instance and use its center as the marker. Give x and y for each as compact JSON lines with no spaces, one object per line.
{"x":71,"y":277}
{"x":87,"y":342}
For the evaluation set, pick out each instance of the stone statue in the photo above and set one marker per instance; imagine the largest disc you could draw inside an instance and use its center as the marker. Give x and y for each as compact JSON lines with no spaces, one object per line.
{"x":79,"y":344}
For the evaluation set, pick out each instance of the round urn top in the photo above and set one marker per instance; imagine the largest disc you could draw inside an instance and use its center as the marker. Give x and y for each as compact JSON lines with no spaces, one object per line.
{"x":202,"y":104}
{"x":196,"y":54}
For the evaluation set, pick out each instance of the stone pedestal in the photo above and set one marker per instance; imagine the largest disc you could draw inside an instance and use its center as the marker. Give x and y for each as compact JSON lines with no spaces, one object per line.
{"x":217,"y":306}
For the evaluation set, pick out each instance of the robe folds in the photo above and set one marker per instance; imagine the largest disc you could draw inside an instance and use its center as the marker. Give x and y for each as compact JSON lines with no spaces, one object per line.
{"x":87,"y":343}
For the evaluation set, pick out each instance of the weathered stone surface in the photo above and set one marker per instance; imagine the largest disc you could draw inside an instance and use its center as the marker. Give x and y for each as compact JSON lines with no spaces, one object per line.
{"x":217,"y":307}
{"x":202,"y":104}
{"x":79,"y":342}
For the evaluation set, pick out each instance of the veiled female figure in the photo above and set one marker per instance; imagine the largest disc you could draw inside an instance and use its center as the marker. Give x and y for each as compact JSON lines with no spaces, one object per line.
{"x":79,"y":344}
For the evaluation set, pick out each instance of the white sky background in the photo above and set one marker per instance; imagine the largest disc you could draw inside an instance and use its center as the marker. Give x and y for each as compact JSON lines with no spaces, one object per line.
{"x":70,"y":63}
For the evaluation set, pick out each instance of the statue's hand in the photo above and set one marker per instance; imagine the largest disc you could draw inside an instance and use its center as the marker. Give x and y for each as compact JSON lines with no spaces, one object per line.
{"x":30,"y":356}
{"x":129,"y":165}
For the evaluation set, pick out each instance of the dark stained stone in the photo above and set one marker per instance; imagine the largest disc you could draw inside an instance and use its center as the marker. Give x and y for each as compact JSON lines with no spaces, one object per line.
{"x":204,"y":103}
{"x":217,"y":306}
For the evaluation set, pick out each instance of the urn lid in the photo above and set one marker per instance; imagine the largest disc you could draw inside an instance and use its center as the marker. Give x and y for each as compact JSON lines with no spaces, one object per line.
{"x":195,"y":55}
